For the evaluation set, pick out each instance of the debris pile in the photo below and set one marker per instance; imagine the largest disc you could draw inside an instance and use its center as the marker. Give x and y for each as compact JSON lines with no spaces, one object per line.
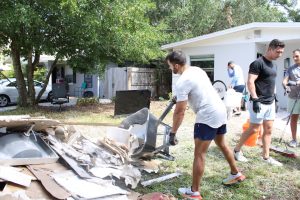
{"x":69,"y":162}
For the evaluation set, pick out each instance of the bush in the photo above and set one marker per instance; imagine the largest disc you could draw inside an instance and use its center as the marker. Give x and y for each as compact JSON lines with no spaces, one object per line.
{"x":87,"y":101}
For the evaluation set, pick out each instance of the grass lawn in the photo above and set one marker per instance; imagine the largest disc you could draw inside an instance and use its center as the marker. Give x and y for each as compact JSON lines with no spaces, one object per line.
{"x":263,"y":181}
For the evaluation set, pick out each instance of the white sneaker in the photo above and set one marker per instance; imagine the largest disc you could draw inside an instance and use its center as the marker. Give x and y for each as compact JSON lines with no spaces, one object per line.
{"x":233,"y":179}
{"x":188,"y":193}
{"x":238,"y":155}
{"x":272,"y":161}
{"x":293,"y":143}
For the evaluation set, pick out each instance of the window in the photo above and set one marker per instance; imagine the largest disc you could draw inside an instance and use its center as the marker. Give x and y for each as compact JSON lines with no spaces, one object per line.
{"x":205,"y":62}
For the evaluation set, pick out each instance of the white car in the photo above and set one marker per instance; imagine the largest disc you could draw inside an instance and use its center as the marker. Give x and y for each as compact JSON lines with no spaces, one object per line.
{"x":9,"y":93}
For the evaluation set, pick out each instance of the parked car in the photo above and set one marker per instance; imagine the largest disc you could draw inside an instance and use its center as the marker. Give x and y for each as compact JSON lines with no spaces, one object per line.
{"x":9,"y":93}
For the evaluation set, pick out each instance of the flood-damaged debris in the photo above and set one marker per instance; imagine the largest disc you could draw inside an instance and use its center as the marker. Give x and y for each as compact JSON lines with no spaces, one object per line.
{"x":37,"y":143}
{"x":160,"y":179}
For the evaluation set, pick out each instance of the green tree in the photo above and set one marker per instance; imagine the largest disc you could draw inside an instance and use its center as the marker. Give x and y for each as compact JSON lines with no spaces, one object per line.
{"x":190,"y":18}
{"x":290,"y":6}
{"x":85,"y":32}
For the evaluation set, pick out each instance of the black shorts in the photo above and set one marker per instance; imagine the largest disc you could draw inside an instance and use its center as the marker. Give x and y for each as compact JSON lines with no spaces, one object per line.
{"x":205,"y":132}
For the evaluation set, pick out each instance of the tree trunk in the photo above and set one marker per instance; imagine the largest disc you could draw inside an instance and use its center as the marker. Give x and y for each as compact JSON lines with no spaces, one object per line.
{"x":21,"y":86}
{"x":47,"y":78}
{"x":30,"y":84}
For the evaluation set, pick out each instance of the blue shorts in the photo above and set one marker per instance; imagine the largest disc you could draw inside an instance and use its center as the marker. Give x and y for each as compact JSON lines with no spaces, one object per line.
{"x":239,"y":88}
{"x":205,"y":132}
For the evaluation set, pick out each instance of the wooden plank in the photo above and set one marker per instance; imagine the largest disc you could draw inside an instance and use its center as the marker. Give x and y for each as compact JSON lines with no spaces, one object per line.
{"x":12,"y":175}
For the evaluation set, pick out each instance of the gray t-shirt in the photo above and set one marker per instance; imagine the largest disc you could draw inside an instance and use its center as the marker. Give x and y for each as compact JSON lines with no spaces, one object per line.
{"x":194,"y":85}
{"x":293,"y":73}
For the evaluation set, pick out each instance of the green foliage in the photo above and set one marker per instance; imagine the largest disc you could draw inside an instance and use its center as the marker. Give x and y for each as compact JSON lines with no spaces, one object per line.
{"x":191,"y":18}
{"x":40,"y":73}
{"x":87,"y":101}
{"x":8,"y":74}
{"x":290,"y":6}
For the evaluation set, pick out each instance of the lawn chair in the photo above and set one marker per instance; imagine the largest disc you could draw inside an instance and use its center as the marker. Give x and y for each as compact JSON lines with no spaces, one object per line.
{"x":60,"y":95}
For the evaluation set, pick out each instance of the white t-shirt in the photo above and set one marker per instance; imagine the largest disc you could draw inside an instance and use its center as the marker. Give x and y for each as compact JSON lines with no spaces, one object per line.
{"x":194,"y":85}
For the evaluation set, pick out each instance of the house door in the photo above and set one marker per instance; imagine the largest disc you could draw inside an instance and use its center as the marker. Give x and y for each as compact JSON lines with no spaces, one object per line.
{"x":205,"y":62}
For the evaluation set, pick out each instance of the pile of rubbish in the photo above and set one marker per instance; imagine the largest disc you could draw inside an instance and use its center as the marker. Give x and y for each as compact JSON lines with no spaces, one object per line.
{"x":42,"y":158}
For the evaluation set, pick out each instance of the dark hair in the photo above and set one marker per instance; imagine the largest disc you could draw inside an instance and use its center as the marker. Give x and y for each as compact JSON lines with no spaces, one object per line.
{"x":276,"y":43}
{"x":230,"y":62}
{"x":176,"y":57}
{"x":296,"y":50}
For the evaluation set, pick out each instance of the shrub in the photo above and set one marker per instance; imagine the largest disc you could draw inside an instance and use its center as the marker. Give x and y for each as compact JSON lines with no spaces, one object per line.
{"x":87,"y":101}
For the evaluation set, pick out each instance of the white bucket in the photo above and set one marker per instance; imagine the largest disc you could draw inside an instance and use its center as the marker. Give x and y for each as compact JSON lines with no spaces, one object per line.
{"x":232,"y":98}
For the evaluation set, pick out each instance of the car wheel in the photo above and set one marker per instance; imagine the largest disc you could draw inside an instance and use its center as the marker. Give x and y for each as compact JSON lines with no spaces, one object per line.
{"x":50,"y":96}
{"x":88,"y":94}
{"x":4,"y":100}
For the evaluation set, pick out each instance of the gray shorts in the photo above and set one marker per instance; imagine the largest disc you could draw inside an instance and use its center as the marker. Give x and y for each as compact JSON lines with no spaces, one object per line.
{"x":291,"y":103}
{"x":267,"y":112}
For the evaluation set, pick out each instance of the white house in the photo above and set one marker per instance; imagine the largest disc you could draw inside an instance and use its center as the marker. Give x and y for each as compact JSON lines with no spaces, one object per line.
{"x":242,"y":44}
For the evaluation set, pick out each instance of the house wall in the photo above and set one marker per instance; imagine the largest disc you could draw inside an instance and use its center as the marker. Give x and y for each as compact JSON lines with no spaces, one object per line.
{"x":243,"y":54}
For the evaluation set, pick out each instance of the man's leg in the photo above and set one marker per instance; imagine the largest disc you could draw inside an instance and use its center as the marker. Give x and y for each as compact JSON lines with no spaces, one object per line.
{"x":294,"y":121}
{"x":200,"y":151}
{"x":220,"y":142}
{"x":266,"y":137}
{"x":253,"y":128}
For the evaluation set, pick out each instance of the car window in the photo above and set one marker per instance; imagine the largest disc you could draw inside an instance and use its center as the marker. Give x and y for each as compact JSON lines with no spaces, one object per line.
{"x":12,"y":84}
{"x":37,"y":84}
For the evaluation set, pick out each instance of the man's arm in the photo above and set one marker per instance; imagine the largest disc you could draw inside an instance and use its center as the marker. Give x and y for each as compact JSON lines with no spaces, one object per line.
{"x":178,"y":115}
{"x":285,"y":82}
{"x":251,"y":85}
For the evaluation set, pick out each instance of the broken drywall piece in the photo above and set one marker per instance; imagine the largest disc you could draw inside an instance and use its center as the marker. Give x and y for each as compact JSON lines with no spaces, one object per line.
{"x":131,"y":174}
{"x":85,"y":189}
{"x":160,"y":179}
{"x":12,"y":175}
{"x":48,"y":183}
{"x":102,"y":172}
{"x":18,"y":195}
{"x":120,"y":150}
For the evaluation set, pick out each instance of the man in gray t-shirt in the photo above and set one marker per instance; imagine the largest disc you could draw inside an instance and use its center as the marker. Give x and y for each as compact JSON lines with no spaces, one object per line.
{"x":291,"y":84}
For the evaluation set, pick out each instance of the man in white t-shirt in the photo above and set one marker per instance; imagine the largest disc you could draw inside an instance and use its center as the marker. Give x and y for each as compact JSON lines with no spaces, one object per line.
{"x":237,"y":81}
{"x":195,"y":88}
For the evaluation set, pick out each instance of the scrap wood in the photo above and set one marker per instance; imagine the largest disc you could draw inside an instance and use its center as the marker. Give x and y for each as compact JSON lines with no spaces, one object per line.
{"x":120,"y":150}
{"x":160,"y":179}
{"x":49,"y":184}
{"x":13,"y":122}
{"x":12,"y":175}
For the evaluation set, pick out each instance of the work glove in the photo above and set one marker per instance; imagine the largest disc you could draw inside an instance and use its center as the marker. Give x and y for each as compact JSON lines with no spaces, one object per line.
{"x":256,"y":105}
{"x":172,"y":139}
{"x":287,"y":90}
{"x":291,"y":83}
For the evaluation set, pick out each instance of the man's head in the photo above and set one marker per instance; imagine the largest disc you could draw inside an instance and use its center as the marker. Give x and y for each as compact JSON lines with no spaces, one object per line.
{"x":275,"y":49}
{"x":296,"y":56}
{"x":230,"y":64}
{"x":176,"y":60}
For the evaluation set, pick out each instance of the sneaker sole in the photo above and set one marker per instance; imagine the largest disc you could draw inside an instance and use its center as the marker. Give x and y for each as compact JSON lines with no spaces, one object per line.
{"x":236,"y":180}
{"x":188,"y":197}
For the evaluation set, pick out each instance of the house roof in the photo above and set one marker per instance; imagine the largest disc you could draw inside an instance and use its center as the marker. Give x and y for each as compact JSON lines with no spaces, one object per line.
{"x":233,"y":30}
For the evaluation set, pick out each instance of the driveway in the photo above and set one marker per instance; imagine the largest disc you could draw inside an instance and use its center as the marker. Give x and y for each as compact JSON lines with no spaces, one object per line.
{"x":72,"y":102}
